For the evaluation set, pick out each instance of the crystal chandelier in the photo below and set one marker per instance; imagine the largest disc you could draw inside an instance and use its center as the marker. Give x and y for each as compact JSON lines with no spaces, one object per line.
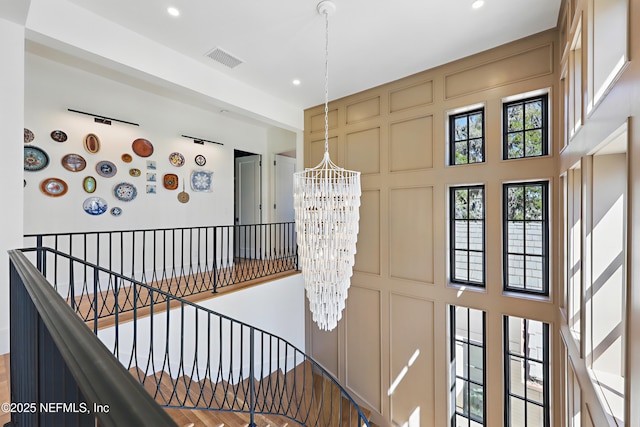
{"x":326,"y":201}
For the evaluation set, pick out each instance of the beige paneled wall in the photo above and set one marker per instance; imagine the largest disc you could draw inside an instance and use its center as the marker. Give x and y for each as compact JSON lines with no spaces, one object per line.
{"x":391,"y":348}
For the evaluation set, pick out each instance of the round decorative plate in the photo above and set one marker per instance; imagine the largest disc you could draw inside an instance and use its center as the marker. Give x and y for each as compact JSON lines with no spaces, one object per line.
{"x":125,"y":191}
{"x":53,"y":187}
{"x":183,"y":197}
{"x":74,"y":162}
{"x":58,"y":136}
{"x":176,"y":159}
{"x":95,"y":206}
{"x":170,"y":181}
{"x":106,"y":168}
{"x":116,"y":211}
{"x":35,"y":158}
{"x":142,"y":147}
{"x":89,"y":184}
{"x":126,"y":158}
{"x":134,"y":172}
{"x":28,"y":136}
{"x":200,"y":160}
{"x":92,"y":143}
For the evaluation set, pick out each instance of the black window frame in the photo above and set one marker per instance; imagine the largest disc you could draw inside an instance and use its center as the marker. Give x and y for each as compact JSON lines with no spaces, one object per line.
{"x":452,"y":237}
{"x":546,"y":366}
{"x":452,"y":136}
{"x":544,"y":127}
{"x":453,"y":374}
{"x":545,"y":240}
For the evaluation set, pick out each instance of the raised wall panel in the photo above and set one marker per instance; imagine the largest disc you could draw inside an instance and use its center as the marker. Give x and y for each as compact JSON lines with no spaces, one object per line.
{"x":411,"y":144}
{"x":325,"y":347}
{"x":514,"y":68}
{"x":317,"y":121}
{"x":412,"y":96}
{"x":363,"y":151}
{"x":368,"y":246}
{"x":412,"y":375}
{"x":363,"y":344}
{"x":316,"y":151}
{"x":363,"y":110}
{"x":411,"y":234}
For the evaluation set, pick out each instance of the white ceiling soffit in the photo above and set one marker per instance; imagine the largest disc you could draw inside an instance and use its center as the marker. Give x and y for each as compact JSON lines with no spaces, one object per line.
{"x":371,"y":41}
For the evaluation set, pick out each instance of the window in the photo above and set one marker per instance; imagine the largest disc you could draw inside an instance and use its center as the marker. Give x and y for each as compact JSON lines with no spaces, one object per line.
{"x":466,"y":137}
{"x":526,"y":366}
{"x":526,"y":237}
{"x":467,"y":367}
{"x":467,"y":258}
{"x":525,"y":128}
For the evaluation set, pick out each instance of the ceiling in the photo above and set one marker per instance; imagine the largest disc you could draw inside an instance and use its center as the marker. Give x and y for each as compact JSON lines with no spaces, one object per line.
{"x":371,"y":41}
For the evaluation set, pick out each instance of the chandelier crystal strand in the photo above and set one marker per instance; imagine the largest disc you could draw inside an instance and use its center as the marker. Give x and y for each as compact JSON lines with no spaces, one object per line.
{"x":326,"y":203}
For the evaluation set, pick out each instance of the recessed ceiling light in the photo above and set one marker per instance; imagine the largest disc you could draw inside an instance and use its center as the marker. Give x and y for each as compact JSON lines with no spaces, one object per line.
{"x":477,"y":4}
{"x":173,"y":11}
{"x":296,"y":82}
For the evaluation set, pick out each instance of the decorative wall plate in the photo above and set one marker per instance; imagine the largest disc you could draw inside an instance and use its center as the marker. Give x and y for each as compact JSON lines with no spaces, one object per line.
{"x":58,"y":136}
{"x":201,"y":180}
{"x":35,"y":158}
{"x":53,"y":187}
{"x":176,"y":159}
{"x":74,"y":162}
{"x":142,"y":147}
{"x":106,"y":168}
{"x":126,"y":158}
{"x":116,"y":211}
{"x":134,"y":172}
{"x":170,"y":181}
{"x":28,"y":136}
{"x":95,"y":206}
{"x":125,"y":191}
{"x":200,"y":160}
{"x":92,"y":143}
{"x":89,"y":184}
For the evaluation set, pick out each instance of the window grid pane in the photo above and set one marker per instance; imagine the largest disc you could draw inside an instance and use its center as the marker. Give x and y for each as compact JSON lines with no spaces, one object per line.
{"x":525,"y":128}
{"x":467,"y":237}
{"x":526,"y":346}
{"x":467,"y":331}
{"x":466,"y":137}
{"x":525,"y":246}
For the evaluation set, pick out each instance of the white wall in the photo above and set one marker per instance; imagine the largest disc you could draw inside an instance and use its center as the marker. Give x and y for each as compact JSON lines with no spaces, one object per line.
{"x":11,"y":119}
{"x":52,"y":87}
{"x":276,"y":307}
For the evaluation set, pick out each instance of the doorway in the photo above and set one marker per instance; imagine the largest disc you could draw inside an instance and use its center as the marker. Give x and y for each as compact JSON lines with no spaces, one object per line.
{"x":248,"y":202}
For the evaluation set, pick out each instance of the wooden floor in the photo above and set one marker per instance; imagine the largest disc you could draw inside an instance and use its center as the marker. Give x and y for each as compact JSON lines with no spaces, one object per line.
{"x":5,"y":394}
{"x":107,"y":299}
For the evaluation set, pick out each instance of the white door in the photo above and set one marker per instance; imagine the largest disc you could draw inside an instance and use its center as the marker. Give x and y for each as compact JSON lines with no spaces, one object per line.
{"x":248,"y":206}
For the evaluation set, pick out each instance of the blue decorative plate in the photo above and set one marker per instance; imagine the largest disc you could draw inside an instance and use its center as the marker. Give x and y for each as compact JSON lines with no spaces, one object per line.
{"x":95,"y":206}
{"x":125,"y":191}
{"x":35,"y":158}
{"x":201,"y":180}
{"x":106,"y":168}
{"x":116,"y":211}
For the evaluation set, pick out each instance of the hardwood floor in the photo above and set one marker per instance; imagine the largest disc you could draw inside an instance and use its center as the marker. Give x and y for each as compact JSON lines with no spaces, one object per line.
{"x":5,"y":394}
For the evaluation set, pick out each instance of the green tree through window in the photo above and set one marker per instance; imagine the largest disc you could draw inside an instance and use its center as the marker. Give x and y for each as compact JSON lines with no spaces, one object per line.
{"x":525,"y":128}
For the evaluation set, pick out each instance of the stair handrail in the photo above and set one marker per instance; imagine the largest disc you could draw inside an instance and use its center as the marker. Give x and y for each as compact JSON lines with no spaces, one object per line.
{"x":97,"y":374}
{"x":170,"y":297}
{"x":217,"y":255}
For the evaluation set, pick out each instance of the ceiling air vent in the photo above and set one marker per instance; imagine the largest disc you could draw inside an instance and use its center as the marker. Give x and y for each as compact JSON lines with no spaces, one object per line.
{"x":223,"y":57}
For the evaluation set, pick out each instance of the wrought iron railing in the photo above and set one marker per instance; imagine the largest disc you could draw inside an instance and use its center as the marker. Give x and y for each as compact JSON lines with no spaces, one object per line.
{"x":61,"y":374}
{"x":187,"y":356}
{"x":183,"y":261}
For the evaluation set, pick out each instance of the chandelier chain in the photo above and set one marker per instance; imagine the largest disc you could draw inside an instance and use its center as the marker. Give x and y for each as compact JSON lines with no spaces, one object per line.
{"x":326,"y":83}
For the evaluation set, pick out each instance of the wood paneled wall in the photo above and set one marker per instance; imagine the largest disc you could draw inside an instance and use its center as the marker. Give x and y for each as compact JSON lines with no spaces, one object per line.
{"x":396,"y":315}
